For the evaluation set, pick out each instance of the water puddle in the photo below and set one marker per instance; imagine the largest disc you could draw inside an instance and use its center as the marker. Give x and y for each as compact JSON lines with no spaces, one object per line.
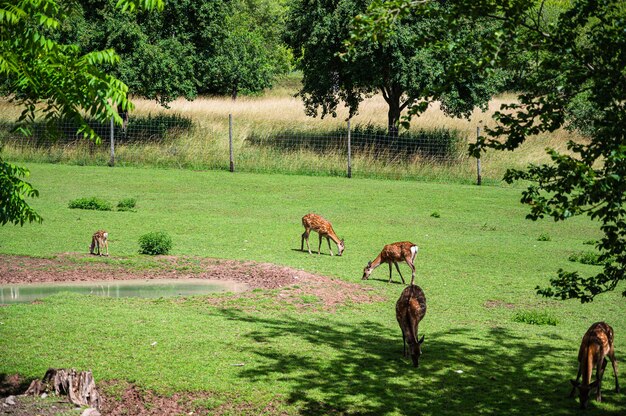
{"x":122,"y":288}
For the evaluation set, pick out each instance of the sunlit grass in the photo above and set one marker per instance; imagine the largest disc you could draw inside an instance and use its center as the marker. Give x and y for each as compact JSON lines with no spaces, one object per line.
{"x":206,"y":146}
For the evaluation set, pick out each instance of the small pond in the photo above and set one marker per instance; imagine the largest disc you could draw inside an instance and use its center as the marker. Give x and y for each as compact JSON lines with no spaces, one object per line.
{"x":121,"y":288}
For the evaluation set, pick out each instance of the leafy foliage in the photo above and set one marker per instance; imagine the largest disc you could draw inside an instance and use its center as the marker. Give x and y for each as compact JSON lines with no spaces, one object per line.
{"x":193,"y":47}
{"x":406,"y":72}
{"x":37,"y":69}
{"x":13,"y":207}
{"x":155,"y":243}
{"x":93,"y":203}
{"x":126,"y":204}
{"x":533,"y":317}
{"x":575,"y":80}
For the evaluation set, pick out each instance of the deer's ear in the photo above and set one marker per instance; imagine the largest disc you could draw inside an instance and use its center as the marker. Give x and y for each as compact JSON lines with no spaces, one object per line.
{"x":421,"y":340}
{"x":369,"y":264}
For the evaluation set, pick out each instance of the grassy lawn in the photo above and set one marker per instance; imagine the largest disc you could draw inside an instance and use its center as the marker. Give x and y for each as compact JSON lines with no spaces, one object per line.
{"x":479,"y":262}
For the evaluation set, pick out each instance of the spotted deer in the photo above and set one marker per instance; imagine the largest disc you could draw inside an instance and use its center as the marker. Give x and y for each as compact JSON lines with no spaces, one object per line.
{"x":324,"y":229}
{"x":393,"y":253}
{"x":597,"y":344}
{"x":99,"y":241}
{"x":410,"y":310}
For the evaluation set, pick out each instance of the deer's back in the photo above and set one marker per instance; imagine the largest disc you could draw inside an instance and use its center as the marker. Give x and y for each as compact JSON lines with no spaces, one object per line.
{"x":317,"y":223}
{"x":412,"y":301}
{"x":597,"y":341}
{"x":395,"y":251}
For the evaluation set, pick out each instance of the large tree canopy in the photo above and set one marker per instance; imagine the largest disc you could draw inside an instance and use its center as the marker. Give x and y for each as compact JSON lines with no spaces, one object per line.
{"x":405,"y":72}
{"x":577,"y":80}
{"x":54,"y":78}
{"x":193,"y":47}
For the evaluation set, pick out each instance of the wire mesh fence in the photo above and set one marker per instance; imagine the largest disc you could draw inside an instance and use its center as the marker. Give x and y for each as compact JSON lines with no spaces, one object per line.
{"x":178,"y":141}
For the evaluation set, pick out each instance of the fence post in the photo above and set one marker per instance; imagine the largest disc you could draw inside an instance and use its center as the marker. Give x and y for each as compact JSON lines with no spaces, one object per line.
{"x":112,"y":160}
{"x":230,"y":142}
{"x":479,"y":178}
{"x":349,"y":152}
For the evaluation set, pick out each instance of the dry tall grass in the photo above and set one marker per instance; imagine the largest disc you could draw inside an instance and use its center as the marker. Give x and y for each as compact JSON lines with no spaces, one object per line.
{"x":278,"y":110}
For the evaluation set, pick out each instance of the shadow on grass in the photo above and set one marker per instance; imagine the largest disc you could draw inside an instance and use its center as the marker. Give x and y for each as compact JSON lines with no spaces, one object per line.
{"x":502,"y":374}
{"x":12,"y":384}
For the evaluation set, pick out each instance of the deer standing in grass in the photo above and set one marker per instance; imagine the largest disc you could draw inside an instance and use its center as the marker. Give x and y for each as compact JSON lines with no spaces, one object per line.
{"x":410,"y":309}
{"x":99,"y":241}
{"x":393,"y":253}
{"x":597,"y":344}
{"x":324,"y":229}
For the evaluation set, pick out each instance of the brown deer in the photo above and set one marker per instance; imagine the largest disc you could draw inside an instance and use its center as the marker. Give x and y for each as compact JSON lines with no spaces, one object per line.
{"x":410,"y":310}
{"x":393,"y":253}
{"x":597,"y":344}
{"x":99,"y":241}
{"x":324,"y":229}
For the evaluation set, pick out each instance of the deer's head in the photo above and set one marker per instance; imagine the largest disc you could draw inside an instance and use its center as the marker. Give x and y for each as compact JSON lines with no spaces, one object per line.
{"x":340,"y":247}
{"x":367,"y":271}
{"x":415,"y":349}
{"x":583,"y":392}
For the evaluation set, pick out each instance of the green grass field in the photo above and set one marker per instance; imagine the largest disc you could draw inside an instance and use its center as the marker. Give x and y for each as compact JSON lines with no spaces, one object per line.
{"x":479,"y":262}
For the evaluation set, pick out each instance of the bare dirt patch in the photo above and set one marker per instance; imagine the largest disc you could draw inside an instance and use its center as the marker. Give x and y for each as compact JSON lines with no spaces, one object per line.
{"x":296,"y":287}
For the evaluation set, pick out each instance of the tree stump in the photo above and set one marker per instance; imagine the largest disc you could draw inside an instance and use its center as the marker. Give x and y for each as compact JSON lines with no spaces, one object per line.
{"x":79,"y":387}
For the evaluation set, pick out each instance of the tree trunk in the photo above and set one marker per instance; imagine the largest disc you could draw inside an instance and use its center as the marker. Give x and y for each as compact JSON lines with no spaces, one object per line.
{"x":392,"y":96}
{"x":78,"y":386}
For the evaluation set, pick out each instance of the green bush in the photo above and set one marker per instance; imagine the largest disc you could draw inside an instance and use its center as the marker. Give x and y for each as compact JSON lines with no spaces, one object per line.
{"x":544,"y":237}
{"x":126,"y":204}
{"x":435,"y":214}
{"x":155,"y":243}
{"x":535,"y":318}
{"x":91,"y":203}
{"x":586,"y":257}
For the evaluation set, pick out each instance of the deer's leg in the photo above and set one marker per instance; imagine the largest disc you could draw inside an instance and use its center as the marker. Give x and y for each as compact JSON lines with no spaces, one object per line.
{"x":403,"y":344}
{"x":398,"y":269}
{"x":329,"y":247}
{"x":305,"y":236}
{"x":390,"y":282}
{"x":106,"y":244}
{"x":599,"y":373}
{"x":614,"y":364}
{"x":319,"y":247}
{"x":409,"y":261}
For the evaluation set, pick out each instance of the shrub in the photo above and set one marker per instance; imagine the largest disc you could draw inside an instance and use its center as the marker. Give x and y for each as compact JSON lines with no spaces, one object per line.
{"x":435,"y":214}
{"x":544,"y":237}
{"x":586,"y":257}
{"x":155,"y":243}
{"x":91,"y":203}
{"x":535,"y":318}
{"x":126,"y":204}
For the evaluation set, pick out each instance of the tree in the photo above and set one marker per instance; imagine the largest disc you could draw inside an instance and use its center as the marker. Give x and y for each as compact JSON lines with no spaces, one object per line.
{"x":53,"y":78}
{"x":405,"y":75}
{"x":577,"y":81}
{"x":193,"y":47}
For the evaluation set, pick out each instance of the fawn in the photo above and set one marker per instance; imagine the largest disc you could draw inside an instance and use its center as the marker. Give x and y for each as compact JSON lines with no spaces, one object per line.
{"x":99,"y":241}
{"x":324,"y":229}
{"x":597,"y":344}
{"x":410,"y":310}
{"x":393,"y":253}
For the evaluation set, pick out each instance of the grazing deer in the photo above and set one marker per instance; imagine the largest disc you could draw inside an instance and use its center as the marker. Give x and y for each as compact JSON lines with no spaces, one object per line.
{"x":324,"y":229}
{"x":393,"y":253}
{"x":99,"y":241}
{"x":410,"y":310}
{"x":597,"y":344}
